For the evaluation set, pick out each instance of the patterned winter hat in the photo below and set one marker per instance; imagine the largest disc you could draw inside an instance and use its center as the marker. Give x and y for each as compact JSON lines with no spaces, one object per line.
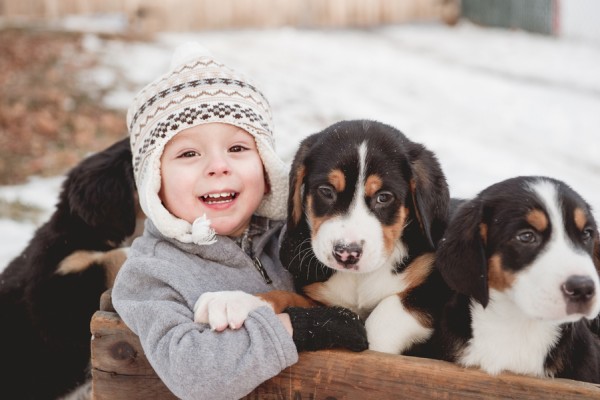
{"x":199,"y":90}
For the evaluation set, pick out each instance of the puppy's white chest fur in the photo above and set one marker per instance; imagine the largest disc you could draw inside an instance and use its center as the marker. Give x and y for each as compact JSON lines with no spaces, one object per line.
{"x":391,"y":328}
{"x":362,"y":292}
{"x":504,"y":339}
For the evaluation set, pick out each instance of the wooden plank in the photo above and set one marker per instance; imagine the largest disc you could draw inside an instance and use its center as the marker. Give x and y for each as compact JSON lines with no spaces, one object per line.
{"x":115,"y":348}
{"x":110,"y":386}
{"x":120,"y":371}
{"x":345,"y":375}
{"x":106,"y":301}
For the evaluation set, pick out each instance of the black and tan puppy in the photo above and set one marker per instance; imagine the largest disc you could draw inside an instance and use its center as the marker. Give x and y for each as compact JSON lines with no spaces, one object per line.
{"x":523,"y":260}
{"x":367,"y":207}
{"x":50,"y":291}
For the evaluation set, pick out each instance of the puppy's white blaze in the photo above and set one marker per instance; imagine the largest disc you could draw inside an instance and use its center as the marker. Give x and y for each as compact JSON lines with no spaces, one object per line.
{"x":362,"y":292}
{"x":538,"y":287}
{"x":392,"y":329}
{"x":359,"y":225}
{"x":506,"y":339}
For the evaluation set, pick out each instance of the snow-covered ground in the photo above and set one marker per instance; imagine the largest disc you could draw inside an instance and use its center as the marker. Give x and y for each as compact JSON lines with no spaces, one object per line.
{"x":491,"y":104}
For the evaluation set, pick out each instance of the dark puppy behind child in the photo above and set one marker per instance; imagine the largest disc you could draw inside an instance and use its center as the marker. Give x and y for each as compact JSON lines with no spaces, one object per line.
{"x":49,"y":292}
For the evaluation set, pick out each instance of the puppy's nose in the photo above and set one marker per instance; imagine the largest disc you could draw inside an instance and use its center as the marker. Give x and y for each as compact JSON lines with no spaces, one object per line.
{"x":347,"y":254}
{"x":579,"y":288}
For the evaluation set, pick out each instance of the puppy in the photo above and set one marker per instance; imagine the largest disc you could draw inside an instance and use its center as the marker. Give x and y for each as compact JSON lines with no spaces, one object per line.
{"x":523,"y":260}
{"x":49,"y":292}
{"x":367,"y":207}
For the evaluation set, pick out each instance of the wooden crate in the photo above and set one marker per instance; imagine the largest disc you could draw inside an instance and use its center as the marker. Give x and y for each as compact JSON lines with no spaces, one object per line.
{"x":121,"y":371}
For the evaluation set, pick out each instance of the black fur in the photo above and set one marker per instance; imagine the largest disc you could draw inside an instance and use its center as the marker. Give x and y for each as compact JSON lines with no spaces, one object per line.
{"x":321,"y":328}
{"x":45,"y":339}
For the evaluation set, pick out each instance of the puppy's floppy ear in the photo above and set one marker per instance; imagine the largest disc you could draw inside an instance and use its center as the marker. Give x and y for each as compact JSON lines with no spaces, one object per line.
{"x":596,"y":255}
{"x":461,"y":257}
{"x":296,"y":252}
{"x":297,"y":174}
{"x":101,"y":191}
{"x":429,"y":193}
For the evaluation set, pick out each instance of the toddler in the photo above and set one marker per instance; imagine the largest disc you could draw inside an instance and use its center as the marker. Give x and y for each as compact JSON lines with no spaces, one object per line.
{"x":214,"y":192}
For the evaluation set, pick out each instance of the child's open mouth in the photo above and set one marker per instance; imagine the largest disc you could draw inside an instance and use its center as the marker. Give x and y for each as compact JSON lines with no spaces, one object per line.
{"x":219,"y":198}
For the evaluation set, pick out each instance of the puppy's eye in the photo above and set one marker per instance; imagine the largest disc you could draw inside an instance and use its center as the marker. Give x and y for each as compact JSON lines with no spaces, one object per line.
{"x":327,"y":192}
{"x":527,"y":237}
{"x":587,"y":234}
{"x":384,"y":198}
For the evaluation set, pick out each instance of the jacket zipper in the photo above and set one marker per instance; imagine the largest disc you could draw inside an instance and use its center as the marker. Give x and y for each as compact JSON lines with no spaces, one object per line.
{"x":263,"y":272}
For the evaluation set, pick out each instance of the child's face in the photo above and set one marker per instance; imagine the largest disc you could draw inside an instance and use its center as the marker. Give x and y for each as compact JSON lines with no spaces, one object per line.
{"x":214,"y":169}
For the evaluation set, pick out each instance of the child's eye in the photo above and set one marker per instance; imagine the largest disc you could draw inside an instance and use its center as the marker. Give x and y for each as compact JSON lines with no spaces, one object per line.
{"x":188,"y":154}
{"x":237,"y":149}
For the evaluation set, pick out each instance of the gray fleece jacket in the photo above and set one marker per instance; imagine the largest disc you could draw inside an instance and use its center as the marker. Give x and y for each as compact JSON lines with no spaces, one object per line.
{"x":155,"y":292}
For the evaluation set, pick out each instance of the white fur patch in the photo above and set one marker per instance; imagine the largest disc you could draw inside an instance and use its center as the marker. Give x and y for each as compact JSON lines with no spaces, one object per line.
{"x":393,"y":329}
{"x":226,"y":309}
{"x":505,"y":339}
{"x":362,"y":292}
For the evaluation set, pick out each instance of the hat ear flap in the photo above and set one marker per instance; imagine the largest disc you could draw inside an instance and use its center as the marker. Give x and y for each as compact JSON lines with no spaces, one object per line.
{"x":430,"y":194}
{"x":461,"y":257}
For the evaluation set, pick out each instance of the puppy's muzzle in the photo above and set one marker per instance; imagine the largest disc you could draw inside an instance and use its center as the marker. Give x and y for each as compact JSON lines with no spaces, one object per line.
{"x":579,"y":292}
{"x":347,"y":254}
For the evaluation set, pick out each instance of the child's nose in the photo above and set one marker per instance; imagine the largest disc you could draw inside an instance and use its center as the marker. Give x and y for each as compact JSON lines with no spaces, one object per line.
{"x":217,"y":166}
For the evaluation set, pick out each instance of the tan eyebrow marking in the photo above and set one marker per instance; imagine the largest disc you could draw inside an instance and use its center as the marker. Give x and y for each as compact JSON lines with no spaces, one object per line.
{"x":537,"y":219}
{"x":372,"y":185}
{"x":580,"y":218}
{"x":337,"y":179}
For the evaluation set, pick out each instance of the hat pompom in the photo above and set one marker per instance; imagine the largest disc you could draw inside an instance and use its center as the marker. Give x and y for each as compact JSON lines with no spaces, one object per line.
{"x":187,"y":52}
{"x":202,"y":233}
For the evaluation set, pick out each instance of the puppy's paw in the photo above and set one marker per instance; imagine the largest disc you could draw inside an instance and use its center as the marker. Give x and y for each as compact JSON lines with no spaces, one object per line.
{"x":227,"y":309}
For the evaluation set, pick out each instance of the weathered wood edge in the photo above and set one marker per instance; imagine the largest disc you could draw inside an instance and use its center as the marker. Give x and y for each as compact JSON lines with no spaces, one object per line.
{"x":120,"y":369}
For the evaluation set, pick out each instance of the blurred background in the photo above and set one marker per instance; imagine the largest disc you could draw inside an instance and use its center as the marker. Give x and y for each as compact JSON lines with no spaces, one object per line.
{"x":496,"y":88}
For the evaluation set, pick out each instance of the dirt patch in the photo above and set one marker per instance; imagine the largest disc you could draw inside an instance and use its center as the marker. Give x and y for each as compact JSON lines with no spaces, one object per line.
{"x":18,"y":211}
{"x":48,"y":122}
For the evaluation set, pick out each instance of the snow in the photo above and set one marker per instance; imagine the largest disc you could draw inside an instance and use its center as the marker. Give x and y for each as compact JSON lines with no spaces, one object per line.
{"x":490,"y":103}
{"x":41,"y":193}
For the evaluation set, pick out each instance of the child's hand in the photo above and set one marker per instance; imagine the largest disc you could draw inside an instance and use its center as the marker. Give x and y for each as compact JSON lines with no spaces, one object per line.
{"x":227,"y":309}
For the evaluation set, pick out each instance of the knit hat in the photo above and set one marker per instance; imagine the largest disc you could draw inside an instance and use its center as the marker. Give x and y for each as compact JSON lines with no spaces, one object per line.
{"x":199,"y":90}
